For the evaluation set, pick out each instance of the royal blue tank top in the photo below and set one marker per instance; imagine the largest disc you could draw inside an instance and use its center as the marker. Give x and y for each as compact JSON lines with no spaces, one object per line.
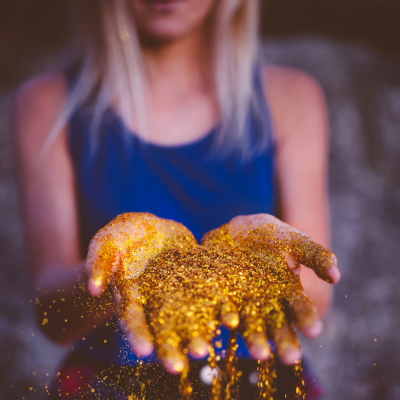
{"x":184,"y":183}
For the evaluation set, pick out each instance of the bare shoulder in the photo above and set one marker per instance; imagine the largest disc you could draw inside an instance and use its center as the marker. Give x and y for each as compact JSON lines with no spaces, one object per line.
{"x":291,"y":84}
{"x":37,"y":105}
{"x":41,"y":90}
{"x":295,"y":98}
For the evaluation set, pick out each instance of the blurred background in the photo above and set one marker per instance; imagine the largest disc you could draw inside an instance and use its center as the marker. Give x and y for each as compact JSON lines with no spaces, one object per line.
{"x":352,"y":48}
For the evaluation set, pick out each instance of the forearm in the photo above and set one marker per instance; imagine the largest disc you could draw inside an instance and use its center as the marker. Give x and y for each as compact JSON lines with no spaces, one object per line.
{"x":64,"y":308}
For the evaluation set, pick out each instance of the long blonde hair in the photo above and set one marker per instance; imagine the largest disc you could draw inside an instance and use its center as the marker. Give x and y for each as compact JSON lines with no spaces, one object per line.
{"x":112,"y":68}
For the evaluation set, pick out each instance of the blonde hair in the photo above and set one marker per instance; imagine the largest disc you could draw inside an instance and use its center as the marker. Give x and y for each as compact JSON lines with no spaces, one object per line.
{"x":112,"y":69}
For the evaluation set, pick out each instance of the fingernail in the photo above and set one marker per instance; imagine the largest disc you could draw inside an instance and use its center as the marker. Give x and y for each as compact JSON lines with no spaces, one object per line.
{"x":142,"y":347}
{"x":198,"y":348}
{"x":178,"y":366}
{"x":260,"y":351}
{"x":98,"y":281}
{"x":291,"y":356}
{"x":174,"y":366}
{"x":231,"y":320}
{"x":314,"y":330}
{"x":334,"y":273}
{"x":94,"y":289}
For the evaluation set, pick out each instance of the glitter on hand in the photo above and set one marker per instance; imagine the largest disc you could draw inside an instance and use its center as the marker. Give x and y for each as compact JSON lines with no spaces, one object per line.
{"x":237,"y":277}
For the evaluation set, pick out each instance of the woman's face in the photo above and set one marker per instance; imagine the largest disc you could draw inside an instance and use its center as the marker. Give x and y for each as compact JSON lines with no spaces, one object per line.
{"x":166,"y":20}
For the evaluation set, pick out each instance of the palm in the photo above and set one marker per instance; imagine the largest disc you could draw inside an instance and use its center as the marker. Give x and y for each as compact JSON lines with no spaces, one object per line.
{"x":238,"y":277}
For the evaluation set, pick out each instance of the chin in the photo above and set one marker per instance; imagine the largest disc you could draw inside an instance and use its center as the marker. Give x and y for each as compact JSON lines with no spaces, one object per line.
{"x":169,"y":20}
{"x":163,"y":33}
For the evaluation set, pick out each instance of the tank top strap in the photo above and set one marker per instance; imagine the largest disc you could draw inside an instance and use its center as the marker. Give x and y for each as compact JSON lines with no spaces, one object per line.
{"x":79,"y":121}
{"x":259,"y":118}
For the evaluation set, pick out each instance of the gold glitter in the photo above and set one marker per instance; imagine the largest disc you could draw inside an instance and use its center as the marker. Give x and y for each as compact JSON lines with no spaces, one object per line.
{"x":98,"y":281}
{"x":129,"y":241}
{"x":238,"y":277}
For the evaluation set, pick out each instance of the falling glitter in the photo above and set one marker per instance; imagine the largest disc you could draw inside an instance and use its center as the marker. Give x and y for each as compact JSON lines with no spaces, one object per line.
{"x":238,"y":277}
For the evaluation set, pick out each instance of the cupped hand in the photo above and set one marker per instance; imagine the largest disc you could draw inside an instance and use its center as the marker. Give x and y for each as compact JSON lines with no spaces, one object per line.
{"x":280,"y":303}
{"x":118,"y":253}
{"x":238,"y":277}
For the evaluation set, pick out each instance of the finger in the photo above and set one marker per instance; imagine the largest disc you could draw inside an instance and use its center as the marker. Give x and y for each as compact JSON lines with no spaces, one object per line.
{"x":281,"y":331}
{"x":258,"y":346}
{"x":285,"y":338}
{"x":229,"y":315}
{"x":311,"y":254}
{"x":170,"y":353}
{"x":287,"y":344}
{"x":254,"y":334}
{"x":263,"y":230}
{"x":107,"y":247}
{"x":133,"y":320}
{"x":101,"y":260}
{"x":304,"y":314}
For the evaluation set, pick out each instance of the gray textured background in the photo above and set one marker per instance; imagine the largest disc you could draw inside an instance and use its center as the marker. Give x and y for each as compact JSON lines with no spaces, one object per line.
{"x":358,"y":356}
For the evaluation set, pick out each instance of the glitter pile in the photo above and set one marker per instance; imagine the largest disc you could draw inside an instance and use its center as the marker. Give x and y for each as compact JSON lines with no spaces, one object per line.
{"x":183,"y":292}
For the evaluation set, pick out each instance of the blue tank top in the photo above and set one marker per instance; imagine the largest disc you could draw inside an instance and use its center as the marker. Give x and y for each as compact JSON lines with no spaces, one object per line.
{"x":184,"y":183}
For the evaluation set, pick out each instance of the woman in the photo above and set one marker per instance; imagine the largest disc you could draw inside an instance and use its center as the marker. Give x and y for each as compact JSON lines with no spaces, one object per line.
{"x":168,"y":110}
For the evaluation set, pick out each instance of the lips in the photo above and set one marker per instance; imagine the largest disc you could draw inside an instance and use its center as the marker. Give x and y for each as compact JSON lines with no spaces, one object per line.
{"x":162,"y":1}
{"x":163,"y":5}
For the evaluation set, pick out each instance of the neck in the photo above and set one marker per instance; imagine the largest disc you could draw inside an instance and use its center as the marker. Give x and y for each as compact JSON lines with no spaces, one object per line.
{"x":179,"y":65}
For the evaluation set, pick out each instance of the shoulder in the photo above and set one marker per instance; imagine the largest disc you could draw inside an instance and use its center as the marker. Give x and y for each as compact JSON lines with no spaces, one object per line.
{"x":295,"y":98}
{"x":42,"y":90}
{"x":44,"y":93}
{"x":290,"y":84}
{"x":37,"y":105}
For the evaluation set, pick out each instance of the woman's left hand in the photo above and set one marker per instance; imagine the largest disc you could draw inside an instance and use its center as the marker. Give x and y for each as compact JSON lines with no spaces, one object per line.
{"x":282,"y":302}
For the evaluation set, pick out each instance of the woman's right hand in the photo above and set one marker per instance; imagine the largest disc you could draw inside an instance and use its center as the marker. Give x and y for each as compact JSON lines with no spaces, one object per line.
{"x":118,"y":253}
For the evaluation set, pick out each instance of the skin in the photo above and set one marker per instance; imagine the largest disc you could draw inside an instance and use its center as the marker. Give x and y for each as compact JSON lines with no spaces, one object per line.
{"x":161,"y":24}
{"x":120,"y":252}
{"x":181,"y":110}
{"x":301,"y":128}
